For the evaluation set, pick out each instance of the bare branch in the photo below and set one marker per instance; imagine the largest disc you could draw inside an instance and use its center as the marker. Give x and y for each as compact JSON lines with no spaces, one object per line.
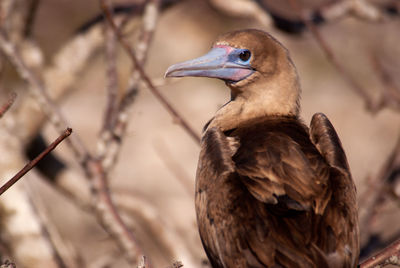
{"x":33,"y":163}
{"x":63,"y":255}
{"x":41,"y":94}
{"x":358,"y":8}
{"x":390,"y":255}
{"x":30,"y":18}
{"x":8,"y":264}
{"x":390,"y":96}
{"x":165,"y":235}
{"x":112,"y":86}
{"x":111,"y":139}
{"x":6,"y":106}
{"x":175,"y":168}
{"x":355,"y":86}
{"x":176,"y":116}
{"x":176,"y":264}
{"x":142,"y":262}
{"x":109,"y":216}
{"x":372,"y":197}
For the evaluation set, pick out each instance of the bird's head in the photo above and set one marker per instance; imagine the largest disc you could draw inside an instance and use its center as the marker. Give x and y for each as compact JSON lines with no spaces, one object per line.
{"x":255,"y":66}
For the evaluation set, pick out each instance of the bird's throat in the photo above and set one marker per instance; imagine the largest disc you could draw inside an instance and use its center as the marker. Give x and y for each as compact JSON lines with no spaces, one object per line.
{"x":274,"y":97}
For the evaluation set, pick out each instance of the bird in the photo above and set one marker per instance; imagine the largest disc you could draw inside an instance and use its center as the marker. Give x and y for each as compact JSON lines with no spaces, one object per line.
{"x":269,"y":191}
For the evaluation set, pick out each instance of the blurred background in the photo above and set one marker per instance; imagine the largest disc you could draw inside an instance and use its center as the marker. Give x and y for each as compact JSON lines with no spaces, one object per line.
{"x":152,"y":180}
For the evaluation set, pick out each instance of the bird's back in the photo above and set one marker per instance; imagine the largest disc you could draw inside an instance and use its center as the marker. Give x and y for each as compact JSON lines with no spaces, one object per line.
{"x":267,"y":197}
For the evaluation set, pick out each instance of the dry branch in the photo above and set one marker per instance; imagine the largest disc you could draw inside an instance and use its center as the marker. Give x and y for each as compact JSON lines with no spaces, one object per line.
{"x":390,"y":255}
{"x":41,"y":94}
{"x":145,"y":78}
{"x":34,"y":162}
{"x":363,"y":9}
{"x":111,"y":138}
{"x":358,"y":8}
{"x":390,"y":96}
{"x":59,"y":78}
{"x":108,"y":214}
{"x":104,"y":208}
{"x":30,"y":18}
{"x":166,"y":235}
{"x":112,"y":86}
{"x":355,"y":86}
{"x":175,"y":167}
{"x":63,"y":255}
{"x":371,"y":198}
{"x":8,"y":264}
{"x":7,"y":105}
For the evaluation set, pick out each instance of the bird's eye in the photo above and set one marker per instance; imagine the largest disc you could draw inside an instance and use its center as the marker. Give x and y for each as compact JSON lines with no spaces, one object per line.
{"x":245,"y":55}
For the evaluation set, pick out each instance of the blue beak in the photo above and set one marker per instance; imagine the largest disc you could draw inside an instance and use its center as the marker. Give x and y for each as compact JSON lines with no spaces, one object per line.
{"x":221,"y":62}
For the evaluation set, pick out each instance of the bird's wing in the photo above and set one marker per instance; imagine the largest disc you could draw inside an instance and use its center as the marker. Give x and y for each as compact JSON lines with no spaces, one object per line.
{"x":276,"y":169}
{"x":283,"y":170}
{"x":342,"y":216}
{"x":324,"y":137}
{"x":215,"y":165}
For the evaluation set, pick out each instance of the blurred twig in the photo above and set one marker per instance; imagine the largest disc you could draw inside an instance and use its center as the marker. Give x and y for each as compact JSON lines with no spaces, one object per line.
{"x":175,"y":168}
{"x":166,"y":235}
{"x":30,"y":18}
{"x":390,"y":96}
{"x":7,"y":105}
{"x":355,"y":86}
{"x":176,"y":116}
{"x":359,"y":8}
{"x":108,"y":214}
{"x":63,"y":255}
{"x":112,"y":86}
{"x":33,"y":163}
{"x":41,"y":93}
{"x":8,"y":264}
{"x":371,"y":198}
{"x":390,"y":255}
{"x":104,"y":208}
{"x":111,"y":138}
{"x":366,"y":10}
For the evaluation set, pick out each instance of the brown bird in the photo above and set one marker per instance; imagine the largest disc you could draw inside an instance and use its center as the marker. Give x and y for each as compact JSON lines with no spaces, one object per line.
{"x":270,"y":192}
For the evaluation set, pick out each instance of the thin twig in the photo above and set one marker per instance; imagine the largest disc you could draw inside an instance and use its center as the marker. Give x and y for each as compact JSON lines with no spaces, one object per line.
{"x":41,"y":94}
{"x":390,"y":95}
{"x":48,"y":231}
{"x":7,"y":105}
{"x":371,"y":198}
{"x":111,"y":139}
{"x":176,"y":116}
{"x":112,"y":86}
{"x":360,"y":9}
{"x":389,"y":255}
{"x":30,"y":19}
{"x":33,"y":163}
{"x":355,"y":86}
{"x":176,"y":169}
{"x":109,"y":216}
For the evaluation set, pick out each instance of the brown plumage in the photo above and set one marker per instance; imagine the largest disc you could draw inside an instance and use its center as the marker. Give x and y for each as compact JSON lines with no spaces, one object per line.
{"x":270,"y":192}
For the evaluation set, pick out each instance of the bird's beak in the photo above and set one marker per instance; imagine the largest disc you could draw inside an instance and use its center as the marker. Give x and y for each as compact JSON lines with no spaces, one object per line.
{"x":220,"y":62}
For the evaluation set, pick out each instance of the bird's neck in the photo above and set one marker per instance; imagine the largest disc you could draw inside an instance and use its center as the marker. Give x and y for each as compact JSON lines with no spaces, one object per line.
{"x":278,"y":95}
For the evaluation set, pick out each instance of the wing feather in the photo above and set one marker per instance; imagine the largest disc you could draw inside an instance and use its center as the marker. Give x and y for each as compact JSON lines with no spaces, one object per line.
{"x":278,"y":166}
{"x":341,"y":215}
{"x":277,"y":195}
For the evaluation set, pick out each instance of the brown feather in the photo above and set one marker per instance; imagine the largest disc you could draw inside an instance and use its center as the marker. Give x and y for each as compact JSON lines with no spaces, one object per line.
{"x":276,"y":207}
